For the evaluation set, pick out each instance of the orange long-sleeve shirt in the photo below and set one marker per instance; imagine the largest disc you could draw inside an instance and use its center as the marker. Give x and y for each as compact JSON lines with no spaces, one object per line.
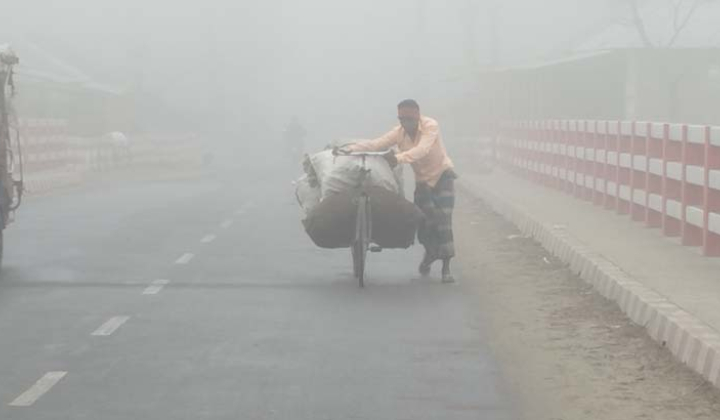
{"x":426,"y":154}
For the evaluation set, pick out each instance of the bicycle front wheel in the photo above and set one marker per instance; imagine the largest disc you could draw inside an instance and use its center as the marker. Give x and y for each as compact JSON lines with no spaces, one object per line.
{"x":359,"y":263}
{"x":362,"y":240}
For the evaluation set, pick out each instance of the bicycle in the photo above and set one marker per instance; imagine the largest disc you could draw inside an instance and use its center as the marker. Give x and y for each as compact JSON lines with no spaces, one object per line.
{"x":362,"y":238}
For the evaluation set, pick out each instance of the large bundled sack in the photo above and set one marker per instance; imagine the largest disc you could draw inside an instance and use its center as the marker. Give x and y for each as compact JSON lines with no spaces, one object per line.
{"x":394,"y":219}
{"x":307,"y":194}
{"x":331,"y":223}
{"x":339,"y":174}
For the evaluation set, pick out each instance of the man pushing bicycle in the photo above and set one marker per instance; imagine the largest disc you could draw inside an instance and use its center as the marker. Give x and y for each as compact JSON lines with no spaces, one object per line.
{"x":420,"y":145}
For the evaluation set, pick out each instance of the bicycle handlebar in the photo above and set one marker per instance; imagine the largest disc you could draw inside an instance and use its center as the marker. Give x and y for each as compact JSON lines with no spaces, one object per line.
{"x":341,"y":152}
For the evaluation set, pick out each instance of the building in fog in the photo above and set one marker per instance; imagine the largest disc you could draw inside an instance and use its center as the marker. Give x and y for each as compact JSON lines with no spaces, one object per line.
{"x":664,"y":72}
{"x":669,"y":84}
{"x":50,"y":86}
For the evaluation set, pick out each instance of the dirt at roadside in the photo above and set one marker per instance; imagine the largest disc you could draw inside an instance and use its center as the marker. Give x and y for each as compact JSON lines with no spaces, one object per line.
{"x":566,"y":351}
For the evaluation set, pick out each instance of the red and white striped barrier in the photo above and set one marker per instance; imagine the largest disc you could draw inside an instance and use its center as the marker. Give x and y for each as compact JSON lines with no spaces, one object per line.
{"x":664,"y":175}
{"x":53,"y":159}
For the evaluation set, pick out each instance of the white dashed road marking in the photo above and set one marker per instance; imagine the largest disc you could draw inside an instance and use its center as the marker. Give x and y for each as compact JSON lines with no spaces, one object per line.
{"x":226,"y":224}
{"x":155,"y":287}
{"x":242,"y":210}
{"x":41,"y":387}
{"x":185,"y":258}
{"x":111,"y":326}
{"x":208,"y":238}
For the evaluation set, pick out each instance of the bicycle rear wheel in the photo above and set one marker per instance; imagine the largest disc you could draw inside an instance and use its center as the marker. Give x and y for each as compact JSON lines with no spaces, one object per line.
{"x":362,"y":240}
{"x":359,"y":264}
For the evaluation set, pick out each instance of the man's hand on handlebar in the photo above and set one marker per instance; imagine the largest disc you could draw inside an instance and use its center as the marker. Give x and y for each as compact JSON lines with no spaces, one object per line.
{"x":391,"y":159}
{"x":389,"y":156}
{"x":340,"y":151}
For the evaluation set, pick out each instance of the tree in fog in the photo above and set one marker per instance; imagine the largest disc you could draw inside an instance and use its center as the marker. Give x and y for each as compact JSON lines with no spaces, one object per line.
{"x":474,"y":29}
{"x":676,"y":16}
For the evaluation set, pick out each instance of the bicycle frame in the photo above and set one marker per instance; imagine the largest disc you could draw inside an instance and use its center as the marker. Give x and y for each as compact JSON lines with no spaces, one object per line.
{"x":363,"y":222}
{"x":363,"y":226}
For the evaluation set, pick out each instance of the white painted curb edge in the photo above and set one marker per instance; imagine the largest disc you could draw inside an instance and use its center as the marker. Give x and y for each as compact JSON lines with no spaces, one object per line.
{"x":690,"y":340}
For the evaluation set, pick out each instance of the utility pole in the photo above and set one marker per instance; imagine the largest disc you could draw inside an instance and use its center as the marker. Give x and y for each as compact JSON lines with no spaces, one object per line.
{"x":493,"y":9}
{"x":470,"y":12}
{"x":416,"y":57}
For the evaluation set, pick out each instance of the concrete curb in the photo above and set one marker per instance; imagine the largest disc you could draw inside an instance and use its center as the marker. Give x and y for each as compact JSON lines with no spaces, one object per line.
{"x":690,"y":340}
{"x":44,"y":183}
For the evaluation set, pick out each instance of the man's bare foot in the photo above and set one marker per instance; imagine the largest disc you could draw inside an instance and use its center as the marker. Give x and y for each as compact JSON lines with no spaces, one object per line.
{"x":424,"y":268}
{"x":446,"y":276}
{"x":425,"y":265}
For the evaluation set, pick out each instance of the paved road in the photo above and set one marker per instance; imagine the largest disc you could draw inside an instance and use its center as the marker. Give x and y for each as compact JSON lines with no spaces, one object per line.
{"x":246,"y":319}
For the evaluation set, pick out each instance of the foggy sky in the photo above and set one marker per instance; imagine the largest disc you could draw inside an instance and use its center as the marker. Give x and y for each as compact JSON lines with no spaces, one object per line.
{"x":339,"y":65}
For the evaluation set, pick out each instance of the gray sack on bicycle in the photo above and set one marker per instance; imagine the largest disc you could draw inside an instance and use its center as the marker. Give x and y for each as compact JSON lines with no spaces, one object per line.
{"x":339,"y":174}
{"x":331,"y":223}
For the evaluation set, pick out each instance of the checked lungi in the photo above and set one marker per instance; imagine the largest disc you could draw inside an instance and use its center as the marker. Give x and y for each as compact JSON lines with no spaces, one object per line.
{"x":437,"y":203}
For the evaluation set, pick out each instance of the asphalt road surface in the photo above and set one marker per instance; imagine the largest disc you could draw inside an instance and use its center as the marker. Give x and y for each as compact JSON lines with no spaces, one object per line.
{"x":202,"y":298}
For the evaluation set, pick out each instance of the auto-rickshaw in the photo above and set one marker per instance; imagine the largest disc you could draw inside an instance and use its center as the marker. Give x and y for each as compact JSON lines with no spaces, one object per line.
{"x":11,"y":190}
